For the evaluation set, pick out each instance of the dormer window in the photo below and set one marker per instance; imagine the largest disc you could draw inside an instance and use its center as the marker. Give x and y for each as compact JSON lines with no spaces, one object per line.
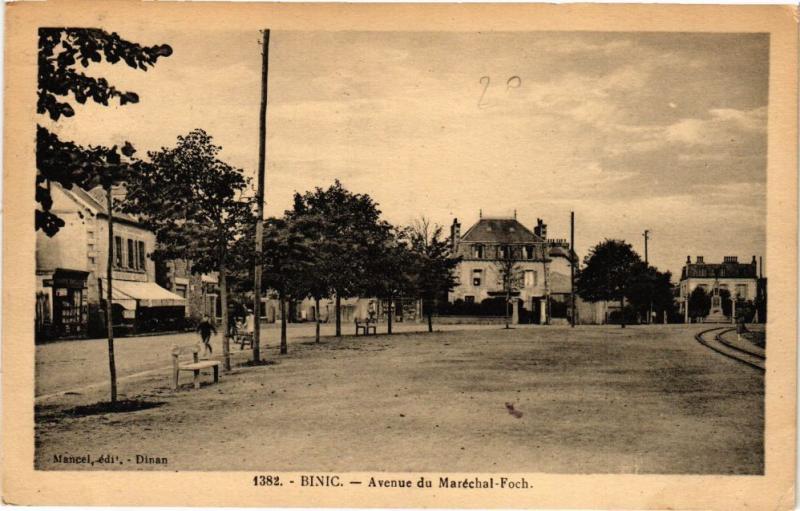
{"x":528,"y":251}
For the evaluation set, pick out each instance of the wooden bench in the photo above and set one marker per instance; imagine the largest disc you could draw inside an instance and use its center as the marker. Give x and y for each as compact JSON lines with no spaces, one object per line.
{"x":243,"y":339}
{"x":365,"y":326}
{"x":195,"y":366}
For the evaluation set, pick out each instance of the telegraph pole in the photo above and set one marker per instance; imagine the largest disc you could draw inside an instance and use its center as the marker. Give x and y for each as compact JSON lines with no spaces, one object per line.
{"x":646,"y":235}
{"x":262,"y":158}
{"x":112,"y":367}
{"x":572,"y":266}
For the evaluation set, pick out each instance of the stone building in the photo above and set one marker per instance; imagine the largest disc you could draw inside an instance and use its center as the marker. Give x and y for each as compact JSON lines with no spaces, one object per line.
{"x":543,"y":268}
{"x":71,"y":271}
{"x":739,"y":279}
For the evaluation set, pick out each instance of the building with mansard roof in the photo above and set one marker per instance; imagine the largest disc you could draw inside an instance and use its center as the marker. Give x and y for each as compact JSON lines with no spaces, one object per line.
{"x":740,"y":280}
{"x":542,"y":295}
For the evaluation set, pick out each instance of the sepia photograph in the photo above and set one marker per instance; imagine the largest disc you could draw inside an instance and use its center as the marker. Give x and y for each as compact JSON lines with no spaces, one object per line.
{"x":324,"y":257}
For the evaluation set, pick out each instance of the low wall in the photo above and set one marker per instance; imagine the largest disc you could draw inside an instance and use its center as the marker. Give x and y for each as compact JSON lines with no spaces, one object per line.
{"x":470,"y":320}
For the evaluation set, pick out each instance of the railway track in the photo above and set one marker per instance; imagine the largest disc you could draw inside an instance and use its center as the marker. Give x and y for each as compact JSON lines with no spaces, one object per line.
{"x":728,"y":349}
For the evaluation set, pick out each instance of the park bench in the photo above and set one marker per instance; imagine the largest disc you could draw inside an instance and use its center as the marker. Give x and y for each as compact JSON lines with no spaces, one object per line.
{"x":195,"y":366}
{"x":365,"y":326}
{"x":243,"y":339}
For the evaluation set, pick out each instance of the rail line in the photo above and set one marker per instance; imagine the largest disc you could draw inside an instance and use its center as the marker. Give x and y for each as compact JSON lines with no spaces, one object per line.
{"x":727,"y":349}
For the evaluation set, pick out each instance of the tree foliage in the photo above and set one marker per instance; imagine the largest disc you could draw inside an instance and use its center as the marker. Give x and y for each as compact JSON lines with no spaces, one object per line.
{"x":606,"y":272}
{"x":647,"y":287}
{"x":194,"y":202}
{"x":345,"y":227}
{"x":435,"y":265}
{"x":699,"y":303}
{"x":63,"y":52}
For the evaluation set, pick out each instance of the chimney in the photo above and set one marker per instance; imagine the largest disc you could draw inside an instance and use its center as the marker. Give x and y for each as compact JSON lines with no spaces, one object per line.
{"x":688,"y":259}
{"x":700,"y":260}
{"x":760,"y":267}
{"x":730,"y":259}
{"x":455,"y":234}
{"x":540,"y":229}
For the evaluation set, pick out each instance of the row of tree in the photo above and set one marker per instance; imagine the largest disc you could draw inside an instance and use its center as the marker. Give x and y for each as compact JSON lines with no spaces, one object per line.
{"x":332,"y":243}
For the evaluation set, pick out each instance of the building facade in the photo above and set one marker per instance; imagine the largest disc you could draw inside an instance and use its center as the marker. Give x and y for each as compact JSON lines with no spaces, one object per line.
{"x":201,"y":291}
{"x":740,"y":280}
{"x":71,"y":271}
{"x":542,"y":268}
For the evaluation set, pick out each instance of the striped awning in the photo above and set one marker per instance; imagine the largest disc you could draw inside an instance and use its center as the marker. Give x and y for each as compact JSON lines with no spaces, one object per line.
{"x":147,"y":294}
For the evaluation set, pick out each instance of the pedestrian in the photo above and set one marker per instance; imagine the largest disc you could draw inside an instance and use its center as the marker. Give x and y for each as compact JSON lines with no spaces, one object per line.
{"x":205,"y":328}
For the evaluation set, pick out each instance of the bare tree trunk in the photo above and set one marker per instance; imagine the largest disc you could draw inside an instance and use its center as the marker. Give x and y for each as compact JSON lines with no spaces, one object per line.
{"x":338,"y":316}
{"x":622,"y":312}
{"x":389,"y":318}
{"x":316,"y":316}
{"x":112,"y":366}
{"x":223,"y":298}
{"x":430,"y":316}
{"x":283,"y":324}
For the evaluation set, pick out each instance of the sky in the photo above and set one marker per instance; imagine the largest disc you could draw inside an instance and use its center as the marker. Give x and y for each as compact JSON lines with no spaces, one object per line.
{"x":631,"y":131}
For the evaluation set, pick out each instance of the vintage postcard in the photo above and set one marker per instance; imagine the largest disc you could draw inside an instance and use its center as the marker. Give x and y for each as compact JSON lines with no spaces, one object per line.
{"x":452,"y":256}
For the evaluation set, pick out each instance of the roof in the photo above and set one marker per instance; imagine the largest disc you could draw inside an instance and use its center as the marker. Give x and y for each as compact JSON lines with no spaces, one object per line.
{"x":95,"y":201}
{"x":500,"y":230}
{"x":719,"y":270}
{"x":559,"y":251}
{"x":98,"y":195}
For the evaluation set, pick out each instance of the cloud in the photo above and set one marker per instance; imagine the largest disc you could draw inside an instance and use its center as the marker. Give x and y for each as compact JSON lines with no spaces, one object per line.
{"x":628,"y":128}
{"x":723,"y":124}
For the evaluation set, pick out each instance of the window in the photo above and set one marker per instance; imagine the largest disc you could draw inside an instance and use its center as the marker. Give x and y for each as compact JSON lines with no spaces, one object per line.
{"x":530,"y":278}
{"x":180,"y":289}
{"x":528,"y":251}
{"x":131,"y":254}
{"x":117,"y":251}
{"x":477,"y":251}
{"x":476,"y":277}
{"x":504,"y":252}
{"x":741,"y":291}
{"x":469,"y":299}
{"x":141,"y":254}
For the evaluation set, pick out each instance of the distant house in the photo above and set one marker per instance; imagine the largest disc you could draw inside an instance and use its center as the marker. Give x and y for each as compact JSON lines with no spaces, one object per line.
{"x":71,"y":271}
{"x":403,"y":309}
{"x":740,"y":280}
{"x":201,"y":291}
{"x":543,"y":268}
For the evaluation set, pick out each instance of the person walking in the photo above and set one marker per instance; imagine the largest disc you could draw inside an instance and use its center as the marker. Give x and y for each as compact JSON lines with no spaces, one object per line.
{"x":205,"y":328}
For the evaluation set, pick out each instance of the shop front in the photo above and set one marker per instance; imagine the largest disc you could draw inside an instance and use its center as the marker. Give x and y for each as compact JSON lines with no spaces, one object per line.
{"x":145,"y":307}
{"x":61,"y":305}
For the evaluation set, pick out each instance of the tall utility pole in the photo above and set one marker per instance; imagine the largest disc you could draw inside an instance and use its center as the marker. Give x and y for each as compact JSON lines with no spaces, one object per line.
{"x":112,"y":367}
{"x":646,"y":235}
{"x":262,"y":159}
{"x":572,"y":255}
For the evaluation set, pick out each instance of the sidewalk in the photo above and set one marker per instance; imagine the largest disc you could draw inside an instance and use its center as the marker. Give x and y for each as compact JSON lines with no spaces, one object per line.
{"x":76,"y":365}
